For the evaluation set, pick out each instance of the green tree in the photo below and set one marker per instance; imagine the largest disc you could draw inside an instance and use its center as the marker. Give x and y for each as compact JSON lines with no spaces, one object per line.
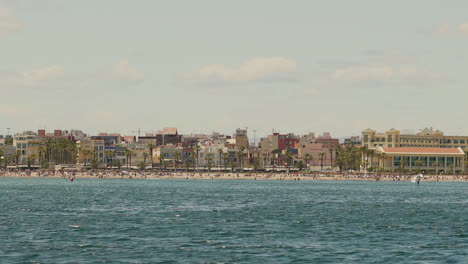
{"x":187,"y":166}
{"x":209,"y":160}
{"x":225,"y":161}
{"x":128,"y":154}
{"x":256,"y":163}
{"x":145,"y":157}
{"x":17,"y":156}
{"x":240,"y":155}
{"x":289,"y":158}
{"x":197,"y":149}
{"x":436,"y":166}
{"x":108,"y":154}
{"x":117,"y":164}
{"x":142,"y":165}
{"x":300,"y":165}
{"x":322,"y":156}
{"x":265,"y":160}
{"x":308,"y":158}
{"x":32,"y":160}
{"x":220,"y":153}
{"x":331,"y":150}
{"x":176,"y":160}
{"x":418,"y":163}
{"x":151,"y":148}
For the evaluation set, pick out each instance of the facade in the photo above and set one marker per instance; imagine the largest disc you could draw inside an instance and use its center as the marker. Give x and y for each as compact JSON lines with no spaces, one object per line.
{"x":354,"y":140}
{"x":241,"y":138}
{"x":425,"y":138}
{"x":421,"y":158}
{"x":168,"y":135}
{"x":23,"y":143}
{"x":278,"y":141}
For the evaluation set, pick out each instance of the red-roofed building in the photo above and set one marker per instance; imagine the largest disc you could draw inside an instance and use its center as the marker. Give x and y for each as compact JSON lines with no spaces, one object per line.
{"x":419,"y":159}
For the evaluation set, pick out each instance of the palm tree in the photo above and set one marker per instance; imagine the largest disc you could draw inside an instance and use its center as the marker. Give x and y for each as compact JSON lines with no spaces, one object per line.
{"x":220,"y":152}
{"x":240,"y":154}
{"x":331,"y":149}
{"x":31,"y":160}
{"x":436,"y":166}
{"x":197,"y":149}
{"x":108,"y":154}
{"x":300,"y":165}
{"x":128,"y":154}
{"x":225,"y":161}
{"x":209,"y":159}
{"x":2,"y":158}
{"x":256,"y":163}
{"x":371,"y":154}
{"x":418,"y":163}
{"x":94,"y":159}
{"x":17,"y":155}
{"x":402,"y":165}
{"x":364,"y":151}
{"x":151,"y":148}
{"x":187,"y":166}
{"x":145,"y":156}
{"x":41,"y":151}
{"x":289,"y":158}
{"x":176,"y":159}
{"x":307,"y":158}
{"x":322,"y":156}
{"x":265,"y":159}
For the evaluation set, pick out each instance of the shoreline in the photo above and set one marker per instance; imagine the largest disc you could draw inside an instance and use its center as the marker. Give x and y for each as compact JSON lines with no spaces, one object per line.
{"x":246,"y":176}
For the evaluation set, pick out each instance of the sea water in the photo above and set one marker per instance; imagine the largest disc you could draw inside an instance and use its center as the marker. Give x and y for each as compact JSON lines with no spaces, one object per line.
{"x":231,"y":221}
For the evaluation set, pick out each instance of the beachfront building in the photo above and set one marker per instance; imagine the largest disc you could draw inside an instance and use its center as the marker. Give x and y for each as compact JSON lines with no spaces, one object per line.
{"x":211,"y":152}
{"x":424,"y":138}
{"x":354,"y":140}
{"x":23,"y":142}
{"x":168,"y":135}
{"x":85,"y":149}
{"x":242,"y":141}
{"x":424,"y":159}
{"x":278,"y":141}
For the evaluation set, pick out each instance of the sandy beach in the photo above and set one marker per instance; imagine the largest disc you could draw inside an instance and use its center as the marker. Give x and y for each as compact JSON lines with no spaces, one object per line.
{"x":234,"y":176}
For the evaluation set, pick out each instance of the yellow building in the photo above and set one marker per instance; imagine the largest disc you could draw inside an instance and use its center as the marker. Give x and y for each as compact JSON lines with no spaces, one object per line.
{"x":85,"y":147}
{"x":425,"y":138}
{"x":421,"y":158}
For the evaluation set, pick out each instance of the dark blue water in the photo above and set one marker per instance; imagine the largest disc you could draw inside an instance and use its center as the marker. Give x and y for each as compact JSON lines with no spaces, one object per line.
{"x":214,"y":221}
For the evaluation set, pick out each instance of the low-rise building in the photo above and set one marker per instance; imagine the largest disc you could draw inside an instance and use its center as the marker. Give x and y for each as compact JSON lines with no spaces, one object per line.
{"x":447,"y":160}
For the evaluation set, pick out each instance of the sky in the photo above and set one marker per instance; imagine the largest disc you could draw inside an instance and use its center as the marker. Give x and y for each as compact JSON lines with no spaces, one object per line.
{"x":208,"y":65}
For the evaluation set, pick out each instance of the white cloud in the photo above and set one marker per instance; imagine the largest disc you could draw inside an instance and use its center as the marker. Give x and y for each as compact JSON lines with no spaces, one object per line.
{"x":382,"y":74}
{"x":260,"y":69}
{"x":124,"y":72}
{"x":33,"y":77}
{"x":447,"y":30}
{"x":8,"y":22}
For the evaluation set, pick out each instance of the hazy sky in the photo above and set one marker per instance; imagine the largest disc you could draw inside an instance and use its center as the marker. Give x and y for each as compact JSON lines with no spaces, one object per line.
{"x":292,"y":66}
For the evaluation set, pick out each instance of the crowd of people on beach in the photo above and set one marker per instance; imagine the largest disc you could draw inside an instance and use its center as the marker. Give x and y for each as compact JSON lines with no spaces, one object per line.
{"x":137,"y":174}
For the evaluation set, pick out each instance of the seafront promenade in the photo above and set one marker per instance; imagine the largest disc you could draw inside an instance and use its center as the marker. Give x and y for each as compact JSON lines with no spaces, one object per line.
{"x":231,"y":176}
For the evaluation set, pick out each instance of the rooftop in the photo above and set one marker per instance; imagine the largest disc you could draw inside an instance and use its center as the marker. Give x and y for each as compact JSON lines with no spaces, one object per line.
{"x":415,"y":150}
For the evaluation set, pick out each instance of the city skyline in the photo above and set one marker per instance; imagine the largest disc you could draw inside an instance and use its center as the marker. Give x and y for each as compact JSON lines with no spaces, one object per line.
{"x":209,"y":66}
